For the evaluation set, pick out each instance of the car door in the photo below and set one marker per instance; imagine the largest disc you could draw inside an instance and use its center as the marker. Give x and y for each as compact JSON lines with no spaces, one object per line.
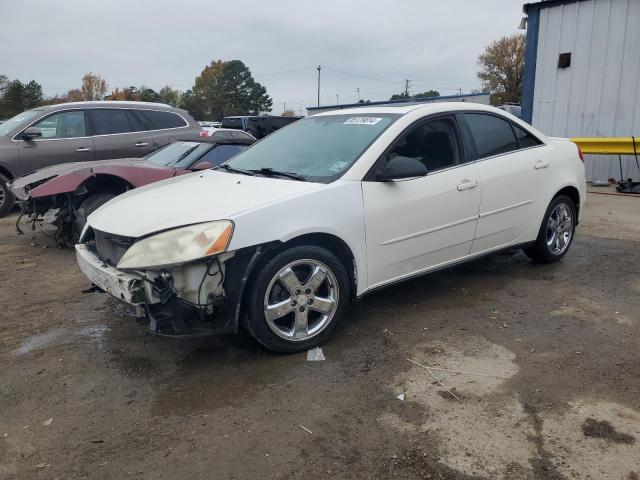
{"x":65,"y":138}
{"x":117,"y":133}
{"x":418,"y":224}
{"x":511,"y":169}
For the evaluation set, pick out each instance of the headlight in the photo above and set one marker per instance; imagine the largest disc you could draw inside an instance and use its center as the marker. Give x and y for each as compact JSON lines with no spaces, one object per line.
{"x":179,"y":245}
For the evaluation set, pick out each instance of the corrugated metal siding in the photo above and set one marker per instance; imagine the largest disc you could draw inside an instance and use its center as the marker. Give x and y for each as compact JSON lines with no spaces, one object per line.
{"x":597,"y":96}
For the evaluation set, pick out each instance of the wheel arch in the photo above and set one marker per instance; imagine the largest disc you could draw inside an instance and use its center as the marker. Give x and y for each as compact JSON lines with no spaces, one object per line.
{"x":5,"y":172}
{"x":105,"y":183}
{"x":574,"y":194}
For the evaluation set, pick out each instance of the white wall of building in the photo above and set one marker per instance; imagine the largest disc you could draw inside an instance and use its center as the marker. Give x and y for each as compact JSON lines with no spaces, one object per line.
{"x":599,"y":94}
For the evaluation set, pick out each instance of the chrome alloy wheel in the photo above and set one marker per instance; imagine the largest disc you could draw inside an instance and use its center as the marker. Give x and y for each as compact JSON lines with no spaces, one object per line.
{"x":301,"y":300}
{"x":2,"y":197}
{"x":559,"y":229}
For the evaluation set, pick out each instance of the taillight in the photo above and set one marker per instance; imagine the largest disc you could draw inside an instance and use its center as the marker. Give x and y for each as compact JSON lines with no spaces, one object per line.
{"x":204,"y":133}
{"x":580,"y":153}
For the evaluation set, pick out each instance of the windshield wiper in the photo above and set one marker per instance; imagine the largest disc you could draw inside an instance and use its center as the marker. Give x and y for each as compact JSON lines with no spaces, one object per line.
{"x":270,"y":171}
{"x":229,"y":168}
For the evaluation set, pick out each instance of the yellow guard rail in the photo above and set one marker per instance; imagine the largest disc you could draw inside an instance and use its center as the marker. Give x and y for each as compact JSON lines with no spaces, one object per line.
{"x":608,"y":146}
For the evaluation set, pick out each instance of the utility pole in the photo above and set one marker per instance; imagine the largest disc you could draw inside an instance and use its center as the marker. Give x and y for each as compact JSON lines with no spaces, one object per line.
{"x":406,"y":87}
{"x":337,"y":101}
{"x":284,"y":107}
{"x":319,"y":68}
{"x":460,"y":91}
{"x":358,"y":92}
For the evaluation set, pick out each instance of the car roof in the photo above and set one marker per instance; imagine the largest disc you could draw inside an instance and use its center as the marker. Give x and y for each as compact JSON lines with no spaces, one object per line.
{"x":106,"y":103}
{"x":433,"y":107}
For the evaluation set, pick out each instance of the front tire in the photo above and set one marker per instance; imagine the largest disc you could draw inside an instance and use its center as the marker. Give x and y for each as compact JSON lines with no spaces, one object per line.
{"x":556,"y":232}
{"x":7,"y":200}
{"x":296,"y":299}
{"x":87,"y":207}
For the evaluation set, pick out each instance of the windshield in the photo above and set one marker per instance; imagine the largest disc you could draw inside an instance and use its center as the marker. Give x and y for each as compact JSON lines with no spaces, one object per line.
{"x":17,"y":121}
{"x":177,"y":154}
{"x":318,"y":148}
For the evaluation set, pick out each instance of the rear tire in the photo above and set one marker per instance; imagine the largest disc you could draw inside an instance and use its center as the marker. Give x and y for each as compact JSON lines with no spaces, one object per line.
{"x":7,"y":200}
{"x":556,"y":231}
{"x":87,"y":207}
{"x":296,"y":299}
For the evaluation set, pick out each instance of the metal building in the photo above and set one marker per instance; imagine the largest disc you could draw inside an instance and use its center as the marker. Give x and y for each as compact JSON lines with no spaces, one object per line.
{"x":483,"y":98}
{"x":582,"y":74}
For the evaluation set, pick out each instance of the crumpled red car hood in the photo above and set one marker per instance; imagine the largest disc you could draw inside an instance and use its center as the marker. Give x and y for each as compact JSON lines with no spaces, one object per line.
{"x":64,"y":168}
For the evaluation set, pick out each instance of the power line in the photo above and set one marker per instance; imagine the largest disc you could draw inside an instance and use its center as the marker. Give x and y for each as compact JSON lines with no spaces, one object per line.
{"x":363,"y":76}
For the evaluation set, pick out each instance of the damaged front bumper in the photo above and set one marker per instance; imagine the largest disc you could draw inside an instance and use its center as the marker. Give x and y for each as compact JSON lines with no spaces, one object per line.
{"x":186,"y":300}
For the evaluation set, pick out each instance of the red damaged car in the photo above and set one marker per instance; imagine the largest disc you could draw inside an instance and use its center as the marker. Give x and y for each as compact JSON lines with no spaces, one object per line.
{"x":64,"y":195}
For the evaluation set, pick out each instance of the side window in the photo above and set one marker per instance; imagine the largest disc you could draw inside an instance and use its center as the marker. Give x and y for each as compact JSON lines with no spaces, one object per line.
{"x":143,"y":120}
{"x":492,"y":135}
{"x":109,"y":121}
{"x":161,"y":120}
{"x":221,"y":153}
{"x":135,"y":125}
{"x":433,"y":143}
{"x":525,"y":139}
{"x":63,"y":125}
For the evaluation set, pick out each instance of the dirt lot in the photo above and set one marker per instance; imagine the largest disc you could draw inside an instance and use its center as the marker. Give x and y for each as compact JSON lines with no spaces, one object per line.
{"x":552,"y":389}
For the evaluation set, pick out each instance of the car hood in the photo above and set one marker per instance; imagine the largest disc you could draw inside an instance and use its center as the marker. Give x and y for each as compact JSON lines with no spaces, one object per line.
{"x":65,"y":168}
{"x":194,"y":198}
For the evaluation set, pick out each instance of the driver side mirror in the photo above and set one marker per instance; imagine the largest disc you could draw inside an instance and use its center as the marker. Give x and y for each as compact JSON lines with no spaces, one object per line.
{"x":31,"y":133}
{"x":202,"y":166}
{"x":399,"y":168}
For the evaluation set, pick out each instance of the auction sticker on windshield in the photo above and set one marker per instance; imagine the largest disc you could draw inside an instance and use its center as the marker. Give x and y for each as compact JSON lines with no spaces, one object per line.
{"x":362,"y":121}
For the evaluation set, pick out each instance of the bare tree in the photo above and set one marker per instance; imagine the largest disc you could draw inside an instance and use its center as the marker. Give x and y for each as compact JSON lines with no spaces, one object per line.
{"x":94,"y":87}
{"x":502,"y":66}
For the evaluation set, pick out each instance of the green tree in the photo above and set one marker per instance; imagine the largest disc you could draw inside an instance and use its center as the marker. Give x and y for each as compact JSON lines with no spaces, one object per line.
{"x":148,"y":95}
{"x":169,"y":96}
{"x":502,"y":68}
{"x":192,"y":103}
{"x":13,"y":99}
{"x":228,"y":88}
{"x":427,"y":94}
{"x":32,"y":95}
{"x":399,"y":96}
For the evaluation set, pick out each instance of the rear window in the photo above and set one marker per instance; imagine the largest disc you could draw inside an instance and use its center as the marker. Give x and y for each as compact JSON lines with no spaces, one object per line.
{"x":109,"y":121}
{"x":492,"y":135}
{"x":221,"y":153}
{"x":162,"y":120}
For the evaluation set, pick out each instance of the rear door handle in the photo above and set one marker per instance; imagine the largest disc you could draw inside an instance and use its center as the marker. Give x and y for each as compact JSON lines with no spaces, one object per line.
{"x":541,"y":164}
{"x":467,"y":184}
{"x":142,"y":144}
{"x":83,"y":149}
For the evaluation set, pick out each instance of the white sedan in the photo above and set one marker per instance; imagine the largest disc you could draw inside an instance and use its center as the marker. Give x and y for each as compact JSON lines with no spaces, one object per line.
{"x":284,"y":235}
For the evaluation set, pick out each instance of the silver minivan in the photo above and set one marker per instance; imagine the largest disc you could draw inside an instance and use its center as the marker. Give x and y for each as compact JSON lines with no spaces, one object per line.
{"x":84,"y":131}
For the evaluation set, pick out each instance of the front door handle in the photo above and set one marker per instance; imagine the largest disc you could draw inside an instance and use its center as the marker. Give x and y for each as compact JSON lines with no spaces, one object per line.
{"x":142,"y":144}
{"x":83,"y":149}
{"x":467,"y":184}
{"x":541,"y":164}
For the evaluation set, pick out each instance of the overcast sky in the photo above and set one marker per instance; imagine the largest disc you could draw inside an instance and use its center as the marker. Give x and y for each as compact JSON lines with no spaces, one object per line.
{"x":372,"y":45}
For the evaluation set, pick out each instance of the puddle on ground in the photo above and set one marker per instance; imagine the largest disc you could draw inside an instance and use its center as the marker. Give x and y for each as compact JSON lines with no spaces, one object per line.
{"x":595,"y":440}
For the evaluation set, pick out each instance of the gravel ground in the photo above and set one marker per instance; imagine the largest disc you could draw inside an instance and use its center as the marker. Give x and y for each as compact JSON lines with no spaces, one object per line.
{"x":535,"y":374}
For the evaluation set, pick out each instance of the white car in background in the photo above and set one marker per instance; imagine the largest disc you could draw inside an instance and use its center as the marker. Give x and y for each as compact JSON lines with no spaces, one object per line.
{"x":214,"y":132}
{"x":281,"y":237}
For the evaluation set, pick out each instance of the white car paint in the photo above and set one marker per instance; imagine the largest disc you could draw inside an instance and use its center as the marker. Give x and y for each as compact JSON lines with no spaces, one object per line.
{"x":394,"y":229}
